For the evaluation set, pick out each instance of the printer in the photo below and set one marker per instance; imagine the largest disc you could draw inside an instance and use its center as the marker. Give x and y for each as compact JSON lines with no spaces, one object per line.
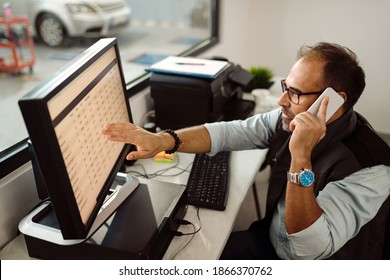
{"x":183,"y":100}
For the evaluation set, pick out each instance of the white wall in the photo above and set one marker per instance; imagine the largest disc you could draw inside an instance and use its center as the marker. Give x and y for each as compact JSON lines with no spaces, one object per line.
{"x":269,"y":32}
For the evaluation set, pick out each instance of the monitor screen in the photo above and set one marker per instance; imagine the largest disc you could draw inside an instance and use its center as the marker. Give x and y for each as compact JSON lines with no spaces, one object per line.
{"x":64,"y":117}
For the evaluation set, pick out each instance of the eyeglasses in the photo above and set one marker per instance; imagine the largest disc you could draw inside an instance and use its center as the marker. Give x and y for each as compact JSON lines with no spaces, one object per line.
{"x":294,"y":94}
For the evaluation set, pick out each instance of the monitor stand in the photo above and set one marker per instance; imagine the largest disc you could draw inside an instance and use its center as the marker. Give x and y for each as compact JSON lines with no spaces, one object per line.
{"x":136,"y":221}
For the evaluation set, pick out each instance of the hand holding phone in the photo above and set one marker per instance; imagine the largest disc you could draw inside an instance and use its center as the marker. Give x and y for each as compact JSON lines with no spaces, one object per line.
{"x":335,"y":102}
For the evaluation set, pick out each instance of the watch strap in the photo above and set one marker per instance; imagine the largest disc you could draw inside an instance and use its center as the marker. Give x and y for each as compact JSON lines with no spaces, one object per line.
{"x":293,"y":177}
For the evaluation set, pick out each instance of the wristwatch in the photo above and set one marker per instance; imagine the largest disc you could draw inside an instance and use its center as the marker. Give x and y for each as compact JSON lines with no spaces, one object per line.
{"x":304,"y":178}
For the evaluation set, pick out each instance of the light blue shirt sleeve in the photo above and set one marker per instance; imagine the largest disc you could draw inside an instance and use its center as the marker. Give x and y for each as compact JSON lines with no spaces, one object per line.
{"x":252,"y":133}
{"x":348,"y":205}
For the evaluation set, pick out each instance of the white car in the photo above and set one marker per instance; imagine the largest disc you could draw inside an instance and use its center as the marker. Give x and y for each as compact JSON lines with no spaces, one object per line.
{"x":53,"y":21}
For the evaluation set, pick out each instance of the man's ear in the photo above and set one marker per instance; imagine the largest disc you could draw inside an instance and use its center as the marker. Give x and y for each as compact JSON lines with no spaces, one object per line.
{"x":343,"y":95}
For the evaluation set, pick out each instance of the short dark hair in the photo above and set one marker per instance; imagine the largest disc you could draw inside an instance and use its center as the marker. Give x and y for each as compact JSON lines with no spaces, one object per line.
{"x":341,"y":71}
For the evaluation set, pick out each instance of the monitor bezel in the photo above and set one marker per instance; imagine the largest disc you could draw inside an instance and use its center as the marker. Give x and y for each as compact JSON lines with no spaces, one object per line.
{"x":34,"y":107}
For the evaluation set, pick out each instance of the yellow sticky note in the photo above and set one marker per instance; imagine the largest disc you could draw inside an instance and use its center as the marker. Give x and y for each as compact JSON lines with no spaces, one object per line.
{"x":164,"y":157}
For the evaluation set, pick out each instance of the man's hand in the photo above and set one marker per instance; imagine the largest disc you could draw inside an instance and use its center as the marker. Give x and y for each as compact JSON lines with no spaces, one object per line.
{"x":148,"y":144}
{"x":307,"y":131}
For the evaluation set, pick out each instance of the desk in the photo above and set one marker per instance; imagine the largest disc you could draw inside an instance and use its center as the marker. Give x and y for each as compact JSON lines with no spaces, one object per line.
{"x":209,"y":242}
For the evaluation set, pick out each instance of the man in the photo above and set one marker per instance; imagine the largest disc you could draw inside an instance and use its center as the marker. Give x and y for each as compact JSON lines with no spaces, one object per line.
{"x":340,"y":210}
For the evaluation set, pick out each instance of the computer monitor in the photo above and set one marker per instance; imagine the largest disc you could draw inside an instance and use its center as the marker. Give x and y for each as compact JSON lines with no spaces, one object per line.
{"x":64,"y":117}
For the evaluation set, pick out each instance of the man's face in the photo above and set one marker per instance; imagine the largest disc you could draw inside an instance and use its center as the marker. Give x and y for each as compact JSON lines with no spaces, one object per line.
{"x":306,"y":75}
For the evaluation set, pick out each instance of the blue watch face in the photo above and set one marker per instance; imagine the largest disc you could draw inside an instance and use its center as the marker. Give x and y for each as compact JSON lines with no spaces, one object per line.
{"x":306,"y":178}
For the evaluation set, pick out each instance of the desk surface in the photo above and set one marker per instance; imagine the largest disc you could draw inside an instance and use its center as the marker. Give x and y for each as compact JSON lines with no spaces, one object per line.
{"x":209,"y":242}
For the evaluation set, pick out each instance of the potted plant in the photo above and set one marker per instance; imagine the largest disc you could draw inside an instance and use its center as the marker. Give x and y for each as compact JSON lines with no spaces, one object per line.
{"x":262,"y":77}
{"x":259,"y":87}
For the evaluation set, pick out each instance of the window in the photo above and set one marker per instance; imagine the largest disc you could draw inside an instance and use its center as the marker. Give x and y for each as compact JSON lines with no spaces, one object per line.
{"x":157,"y":28}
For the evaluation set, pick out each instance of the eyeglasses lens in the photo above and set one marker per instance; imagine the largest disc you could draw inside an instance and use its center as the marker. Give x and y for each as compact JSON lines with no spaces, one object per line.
{"x":292,"y":95}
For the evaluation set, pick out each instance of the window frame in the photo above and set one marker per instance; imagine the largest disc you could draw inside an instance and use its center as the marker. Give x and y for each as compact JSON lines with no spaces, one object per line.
{"x":17,"y":155}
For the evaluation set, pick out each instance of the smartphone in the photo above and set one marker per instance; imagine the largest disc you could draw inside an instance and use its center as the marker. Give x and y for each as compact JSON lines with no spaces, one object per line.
{"x":335,"y":102}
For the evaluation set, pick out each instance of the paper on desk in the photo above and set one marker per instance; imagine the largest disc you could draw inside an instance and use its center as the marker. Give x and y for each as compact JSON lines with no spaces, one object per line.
{"x":189,"y":66}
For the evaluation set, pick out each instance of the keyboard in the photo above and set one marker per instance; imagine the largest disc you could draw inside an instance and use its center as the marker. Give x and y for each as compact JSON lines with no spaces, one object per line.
{"x":208,"y":184}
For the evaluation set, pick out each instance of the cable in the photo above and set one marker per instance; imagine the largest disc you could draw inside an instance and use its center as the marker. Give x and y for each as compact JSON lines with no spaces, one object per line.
{"x":160,"y":172}
{"x":185,"y":245}
{"x":178,"y":233}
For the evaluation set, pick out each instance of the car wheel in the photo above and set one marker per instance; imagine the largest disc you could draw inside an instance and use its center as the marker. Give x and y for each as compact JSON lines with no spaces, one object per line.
{"x":51,"y":30}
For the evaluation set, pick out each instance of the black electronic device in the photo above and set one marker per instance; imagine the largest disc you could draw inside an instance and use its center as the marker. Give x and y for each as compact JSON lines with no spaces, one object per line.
{"x":183,"y":100}
{"x":64,"y":116}
{"x":142,"y":226}
{"x":208,"y":183}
